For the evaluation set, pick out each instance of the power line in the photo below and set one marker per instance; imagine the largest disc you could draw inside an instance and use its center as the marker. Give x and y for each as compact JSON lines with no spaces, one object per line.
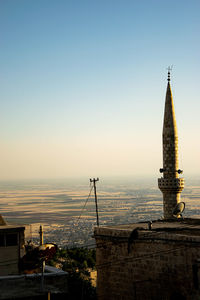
{"x":85,"y":204}
{"x":70,"y":231}
{"x":132,"y":258}
{"x":154,"y":234}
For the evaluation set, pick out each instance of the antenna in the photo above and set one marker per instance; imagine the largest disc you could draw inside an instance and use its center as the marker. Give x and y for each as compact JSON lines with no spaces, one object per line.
{"x":178,"y":210}
{"x":95,"y":195}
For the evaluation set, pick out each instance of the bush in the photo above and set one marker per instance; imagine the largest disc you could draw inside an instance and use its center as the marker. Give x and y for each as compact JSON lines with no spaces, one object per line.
{"x":76,"y":262}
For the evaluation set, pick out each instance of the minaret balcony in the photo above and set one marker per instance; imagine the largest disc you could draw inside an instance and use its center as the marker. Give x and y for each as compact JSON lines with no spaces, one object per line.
{"x":171,"y":184}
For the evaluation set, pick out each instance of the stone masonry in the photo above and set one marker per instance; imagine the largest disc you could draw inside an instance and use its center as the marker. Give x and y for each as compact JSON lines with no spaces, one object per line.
{"x":155,"y":260}
{"x":138,"y":262}
{"x":170,"y":185}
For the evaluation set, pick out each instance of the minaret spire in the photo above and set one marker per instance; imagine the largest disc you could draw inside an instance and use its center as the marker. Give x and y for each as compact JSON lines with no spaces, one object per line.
{"x":170,"y":185}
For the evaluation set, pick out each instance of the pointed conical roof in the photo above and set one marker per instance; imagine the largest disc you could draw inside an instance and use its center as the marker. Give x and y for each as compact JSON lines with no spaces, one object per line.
{"x":169,"y":125}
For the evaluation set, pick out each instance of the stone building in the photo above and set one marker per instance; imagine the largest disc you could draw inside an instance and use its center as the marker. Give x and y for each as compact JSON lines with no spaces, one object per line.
{"x":14,"y":282}
{"x":11,"y":247}
{"x":158,"y":259}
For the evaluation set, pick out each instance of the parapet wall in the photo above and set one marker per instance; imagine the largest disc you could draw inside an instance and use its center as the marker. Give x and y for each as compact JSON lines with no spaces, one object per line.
{"x":30,"y":286}
{"x":142,"y":264}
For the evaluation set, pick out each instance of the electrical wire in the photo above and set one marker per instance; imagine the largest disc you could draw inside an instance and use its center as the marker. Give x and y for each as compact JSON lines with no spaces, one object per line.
{"x":136,"y":258}
{"x":85,"y":204}
{"x":154,"y":234}
{"x":133,"y":258}
{"x":70,"y":231}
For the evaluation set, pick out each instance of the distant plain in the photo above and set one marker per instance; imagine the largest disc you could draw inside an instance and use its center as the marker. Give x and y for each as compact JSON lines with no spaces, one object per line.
{"x":58,"y":206}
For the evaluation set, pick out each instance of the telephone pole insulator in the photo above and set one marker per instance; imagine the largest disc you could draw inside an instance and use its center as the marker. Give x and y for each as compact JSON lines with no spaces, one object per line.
{"x":95,"y":195}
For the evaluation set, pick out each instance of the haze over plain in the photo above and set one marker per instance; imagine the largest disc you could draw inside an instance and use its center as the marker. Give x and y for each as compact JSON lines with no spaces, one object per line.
{"x":83,"y":86}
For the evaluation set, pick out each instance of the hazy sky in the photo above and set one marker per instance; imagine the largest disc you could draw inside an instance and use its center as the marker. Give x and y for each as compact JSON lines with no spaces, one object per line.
{"x":83,"y":85}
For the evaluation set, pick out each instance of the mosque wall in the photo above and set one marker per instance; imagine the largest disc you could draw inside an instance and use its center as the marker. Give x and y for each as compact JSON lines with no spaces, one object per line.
{"x":165,"y":267}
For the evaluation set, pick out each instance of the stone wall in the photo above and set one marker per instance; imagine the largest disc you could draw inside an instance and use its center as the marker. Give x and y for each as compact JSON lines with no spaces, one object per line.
{"x":9,"y":260}
{"x":147,"y":266}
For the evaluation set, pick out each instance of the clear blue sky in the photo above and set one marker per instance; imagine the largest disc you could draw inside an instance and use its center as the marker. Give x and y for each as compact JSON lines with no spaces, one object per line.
{"x":82,"y":86}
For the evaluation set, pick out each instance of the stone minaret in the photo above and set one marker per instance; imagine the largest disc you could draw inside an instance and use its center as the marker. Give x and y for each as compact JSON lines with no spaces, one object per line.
{"x":170,"y":185}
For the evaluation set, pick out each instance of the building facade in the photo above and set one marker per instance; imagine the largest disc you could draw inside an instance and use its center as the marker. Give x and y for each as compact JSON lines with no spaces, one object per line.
{"x":158,"y":259}
{"x":11,"y":247}
{"x":135,"y":262}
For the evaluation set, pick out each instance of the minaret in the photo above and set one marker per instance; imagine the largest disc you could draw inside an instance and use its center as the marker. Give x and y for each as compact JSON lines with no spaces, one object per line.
{"x":170,"y":185}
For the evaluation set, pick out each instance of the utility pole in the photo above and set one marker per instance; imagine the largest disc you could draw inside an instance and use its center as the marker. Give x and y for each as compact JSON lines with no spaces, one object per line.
{"x":42,"y":260}
{"x":41,"y":235}
{"x":95,"y":195}
{"x":42,"y":275}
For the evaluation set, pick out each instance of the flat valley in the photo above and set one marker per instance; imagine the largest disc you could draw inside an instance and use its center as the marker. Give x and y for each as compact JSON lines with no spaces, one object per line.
{"x":59,"y":206}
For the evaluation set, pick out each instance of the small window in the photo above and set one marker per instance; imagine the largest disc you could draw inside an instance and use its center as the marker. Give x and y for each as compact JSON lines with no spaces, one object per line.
{"x":2,"y":240}
{"x":11,"y":239}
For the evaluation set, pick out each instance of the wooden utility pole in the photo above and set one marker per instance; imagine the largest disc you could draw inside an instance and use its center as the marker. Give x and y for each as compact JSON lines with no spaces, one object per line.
{"x":95,"y":195}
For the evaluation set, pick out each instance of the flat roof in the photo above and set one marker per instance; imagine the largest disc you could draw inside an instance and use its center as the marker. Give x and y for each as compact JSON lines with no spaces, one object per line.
{"x":29,"y":285}
{"x":185,"y":226}
{"x":161,"y":223}
{"x":12,"y":227}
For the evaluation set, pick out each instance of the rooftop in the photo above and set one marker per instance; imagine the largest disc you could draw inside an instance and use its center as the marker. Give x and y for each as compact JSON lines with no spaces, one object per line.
{"x":29,"y":286}
{"x":9,"y":227}
{"x":179,"y":227}
{"x":12,"y":227}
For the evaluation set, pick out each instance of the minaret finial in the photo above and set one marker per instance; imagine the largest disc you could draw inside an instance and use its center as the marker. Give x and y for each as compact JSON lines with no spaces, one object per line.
{"x":169,"y":69}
